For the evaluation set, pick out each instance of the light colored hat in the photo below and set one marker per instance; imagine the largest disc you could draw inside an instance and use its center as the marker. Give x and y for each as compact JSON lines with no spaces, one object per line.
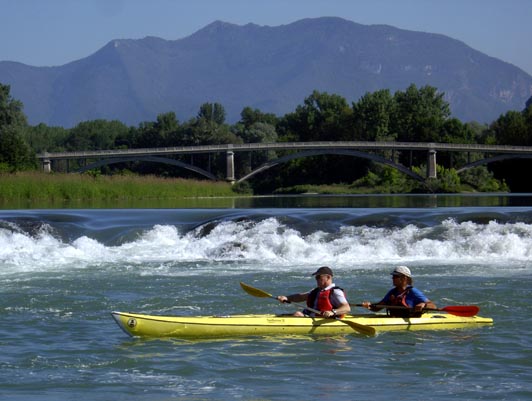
{"x":405,"y":271}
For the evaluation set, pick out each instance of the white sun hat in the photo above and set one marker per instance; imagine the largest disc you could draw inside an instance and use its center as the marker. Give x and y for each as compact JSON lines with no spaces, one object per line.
{"x":405,"y":271}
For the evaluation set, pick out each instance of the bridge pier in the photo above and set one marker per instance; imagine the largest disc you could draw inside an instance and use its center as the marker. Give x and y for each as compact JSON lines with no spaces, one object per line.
{"x":431,"y":164}
{"x":46,"y":164}
{"x":230,"y":165}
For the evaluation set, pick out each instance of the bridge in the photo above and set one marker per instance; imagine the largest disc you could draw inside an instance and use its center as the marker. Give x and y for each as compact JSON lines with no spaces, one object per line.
{"x":101,"y":158}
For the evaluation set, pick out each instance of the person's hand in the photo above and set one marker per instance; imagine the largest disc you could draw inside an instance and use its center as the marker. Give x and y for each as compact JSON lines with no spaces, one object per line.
{"x":328,"y":314}
{"x":366,"y":304}
{"x":419,"y":307}
{"x":282,"y":299}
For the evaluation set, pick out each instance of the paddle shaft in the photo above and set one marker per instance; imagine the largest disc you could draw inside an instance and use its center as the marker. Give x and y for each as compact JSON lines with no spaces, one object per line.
{"x":457,"y":310}
{"x":301,"y":306}
{"x":296,"y":304}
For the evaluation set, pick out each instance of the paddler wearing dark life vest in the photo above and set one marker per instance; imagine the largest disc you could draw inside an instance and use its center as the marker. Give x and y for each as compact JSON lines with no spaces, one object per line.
{"x":402,"y":294}
{"x":329,"y":299}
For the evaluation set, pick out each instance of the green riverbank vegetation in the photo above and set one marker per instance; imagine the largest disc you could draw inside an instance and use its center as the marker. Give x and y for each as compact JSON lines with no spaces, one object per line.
{"x":386,"y":180}
{"x":35,"y":187}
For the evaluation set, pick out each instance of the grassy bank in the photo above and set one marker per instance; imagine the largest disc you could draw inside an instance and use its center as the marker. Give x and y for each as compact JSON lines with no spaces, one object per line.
{"x":70,"y":187}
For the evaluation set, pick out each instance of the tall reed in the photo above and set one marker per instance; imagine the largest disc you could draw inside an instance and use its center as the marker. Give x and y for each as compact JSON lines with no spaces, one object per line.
{"x":54,"y":186}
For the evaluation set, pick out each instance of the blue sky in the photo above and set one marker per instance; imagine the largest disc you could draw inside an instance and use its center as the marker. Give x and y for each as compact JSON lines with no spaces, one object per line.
{"x":55,"y":32}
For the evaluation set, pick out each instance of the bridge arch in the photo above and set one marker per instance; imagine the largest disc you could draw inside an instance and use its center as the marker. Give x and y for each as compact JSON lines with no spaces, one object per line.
{"x":345,"y":152}
{"x":491,"y":160}
{"x":164,"y":160}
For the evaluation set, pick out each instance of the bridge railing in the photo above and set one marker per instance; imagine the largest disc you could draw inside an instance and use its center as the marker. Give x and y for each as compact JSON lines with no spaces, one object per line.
{"x":456,"y":147}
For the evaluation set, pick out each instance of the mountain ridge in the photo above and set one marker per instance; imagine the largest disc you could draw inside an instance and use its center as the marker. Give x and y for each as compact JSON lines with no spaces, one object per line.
{"x":270,"y":68}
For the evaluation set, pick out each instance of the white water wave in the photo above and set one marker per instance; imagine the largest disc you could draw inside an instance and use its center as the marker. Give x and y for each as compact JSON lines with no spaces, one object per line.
{"x":270,"y":241}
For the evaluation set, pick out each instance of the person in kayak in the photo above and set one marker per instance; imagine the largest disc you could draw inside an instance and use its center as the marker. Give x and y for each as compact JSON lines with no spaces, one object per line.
{"x":329,"y":299}
{"x":403,"y":294}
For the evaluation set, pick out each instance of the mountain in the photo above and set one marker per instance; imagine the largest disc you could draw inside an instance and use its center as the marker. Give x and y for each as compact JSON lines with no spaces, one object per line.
{"x":270,"y":68}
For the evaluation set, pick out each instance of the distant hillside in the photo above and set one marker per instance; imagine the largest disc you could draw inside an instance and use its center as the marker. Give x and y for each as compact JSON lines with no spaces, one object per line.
{"x":269,"y":68}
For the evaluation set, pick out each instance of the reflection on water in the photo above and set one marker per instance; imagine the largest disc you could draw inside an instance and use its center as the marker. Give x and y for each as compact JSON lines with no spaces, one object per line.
{"x":289,"y":201}
{"x":386,"y":201}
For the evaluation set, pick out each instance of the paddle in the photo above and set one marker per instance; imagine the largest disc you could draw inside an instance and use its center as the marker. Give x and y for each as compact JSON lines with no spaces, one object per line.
{"x":361,"y":328}
{"x":457,"y":310}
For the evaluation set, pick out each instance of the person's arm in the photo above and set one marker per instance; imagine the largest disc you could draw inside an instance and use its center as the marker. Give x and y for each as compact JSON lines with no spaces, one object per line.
{"x":421,"y":301}
{"x":426,"y":304}
{"x":372,"y":306}
{"x":293,"y":297}
{"x":342,"y":306}
{"x":343,"y":309}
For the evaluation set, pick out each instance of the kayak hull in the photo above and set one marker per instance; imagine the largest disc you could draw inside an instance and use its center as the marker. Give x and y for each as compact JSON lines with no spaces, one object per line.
{"x":141,"y":325}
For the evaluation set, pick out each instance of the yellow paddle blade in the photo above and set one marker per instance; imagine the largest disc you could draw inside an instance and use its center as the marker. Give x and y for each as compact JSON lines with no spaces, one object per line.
{"x":255,"y":291}
{"x":361,"y":328}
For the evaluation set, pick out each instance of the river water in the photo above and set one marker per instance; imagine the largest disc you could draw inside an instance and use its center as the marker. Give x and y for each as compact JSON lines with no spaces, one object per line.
{"x":62,"y":271}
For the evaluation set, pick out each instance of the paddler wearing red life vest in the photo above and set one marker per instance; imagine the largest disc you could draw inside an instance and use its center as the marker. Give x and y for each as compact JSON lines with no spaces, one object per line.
{"x":402,"y":294}
{"x":326,"y":297}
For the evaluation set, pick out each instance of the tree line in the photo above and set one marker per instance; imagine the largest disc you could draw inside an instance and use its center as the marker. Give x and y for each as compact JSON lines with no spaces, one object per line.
{"x":413,"y":115}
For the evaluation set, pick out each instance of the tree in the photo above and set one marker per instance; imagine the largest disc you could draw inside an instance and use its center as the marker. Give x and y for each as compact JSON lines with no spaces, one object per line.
{"x":372,"y":115}
{"x":43,"y":138}
{"x":250,"y":116}
{"x":454,"y":131}
{"x":213,"y":112}
{"x":322,"y":117}
{"x":94,"y":135}
{"x":10,"y":109}
{"x":511,"y":129}
{"x":257,"y":132}
{"x":419,"y":114}
{"x":163,"y":132}
{"x":528,"y":103}
{"x":15,"y":154}
{"x":527,"y":116}
{"x":208,"y":128}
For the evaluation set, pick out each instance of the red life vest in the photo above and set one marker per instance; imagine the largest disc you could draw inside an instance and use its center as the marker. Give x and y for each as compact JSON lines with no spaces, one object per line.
{"x":324,"y":299}
{"x":400,"y":300}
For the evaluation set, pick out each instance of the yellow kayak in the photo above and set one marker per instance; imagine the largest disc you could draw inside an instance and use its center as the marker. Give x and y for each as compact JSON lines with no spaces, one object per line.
{"x":140,"y":325}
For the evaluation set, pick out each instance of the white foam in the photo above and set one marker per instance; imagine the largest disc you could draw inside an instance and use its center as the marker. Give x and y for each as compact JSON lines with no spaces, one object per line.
{"x":271,"y":242}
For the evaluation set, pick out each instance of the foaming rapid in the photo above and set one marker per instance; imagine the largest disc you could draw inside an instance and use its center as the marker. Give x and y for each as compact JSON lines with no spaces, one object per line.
{"x":270,"y":241}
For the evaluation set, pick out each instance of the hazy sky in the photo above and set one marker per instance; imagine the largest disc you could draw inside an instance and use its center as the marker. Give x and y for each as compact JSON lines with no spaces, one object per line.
{"x":55,"y":32}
